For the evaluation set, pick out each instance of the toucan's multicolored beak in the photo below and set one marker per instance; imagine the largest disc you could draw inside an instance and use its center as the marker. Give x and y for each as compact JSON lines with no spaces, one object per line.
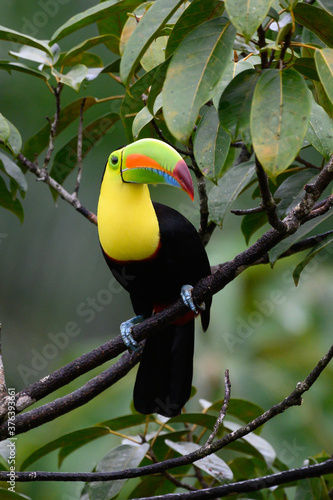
{"x":149,"y":161}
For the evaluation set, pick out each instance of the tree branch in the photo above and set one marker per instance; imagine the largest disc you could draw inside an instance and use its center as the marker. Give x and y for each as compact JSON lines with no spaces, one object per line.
{"x":79,"y":150}
{"x":65,"y":195}
{"x":268,"y":203}
{"x":294,"y":399}
{"x":224,"y":409}
{"x":56,"y":91}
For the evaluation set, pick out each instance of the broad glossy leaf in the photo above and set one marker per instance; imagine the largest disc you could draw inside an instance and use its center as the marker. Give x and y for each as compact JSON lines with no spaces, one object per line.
{"x":193,"y":74}
{"x":291,"y":190}
{"x":318,"y":248}
{"x":324,"y":64}
{"x":311,"y":489}
{"x":280,"y":115}
{"x":145,"y":32}
{"x":73,"y":440}
{"x":221,"y":197}
{"x":212,"y":465}
{"x":87,"y":58}
{"x":17,"y":37}
{"x":155,"y":54}
{"x":263,"y":446}
{"x":306,"y":66}
{"x":7,"y":201}
{"x":300,"y":234}
{"x":4,"y":129}
{"x":14,"y":172}
{"x":14,"y":142}
{"x":323,"y":98}
{"x":66,"y":159}
{"x":38,"y":142}
{"x":157,"y":85}
{"x":121,"y":457}
{"x":131,"y":24}
{"x":320,"y":131}
{"x":235,"y":103}
{"x":211,"y":145}
{"x":92,"y":15}
{"x":316,"y":20}
{"x":327,"y":5}
{"x":251,"y":223}
{"x":144,"y":116}
{"x":22,"y":68}
{"x":113,"y":24}
{"x":74,"y":77}
{"x":33,"y":54}
{"x":201,"y":419}
{"x":84,"y":46}
{"x":132,"y":103}
{"x":5,"y":494}
{"x":247,"y":15}
{"x":196,"y":13}
{"x":231,"y":71}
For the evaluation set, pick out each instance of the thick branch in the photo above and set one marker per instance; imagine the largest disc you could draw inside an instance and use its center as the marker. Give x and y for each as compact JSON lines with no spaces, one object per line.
{"x":268,"y":203}
{"x":294,"y":399}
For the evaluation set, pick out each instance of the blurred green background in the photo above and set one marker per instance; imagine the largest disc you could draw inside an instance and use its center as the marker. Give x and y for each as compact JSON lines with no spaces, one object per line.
{"x":52,"y":267}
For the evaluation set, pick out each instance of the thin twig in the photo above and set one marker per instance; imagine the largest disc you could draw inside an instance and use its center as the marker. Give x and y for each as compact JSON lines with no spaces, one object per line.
{"x":224,"y":409}
{"x":169,"y":476}
{"x":268,"y":202}
{"x":306,"y":163}
{"x":79,"y":150}
{"x":3,"y":386}
{"x":65,"y":195}
{"x":262,"y":44}
{"x":285,"y":46}
{"x":248,"y":211}
{"x":54,"y":125}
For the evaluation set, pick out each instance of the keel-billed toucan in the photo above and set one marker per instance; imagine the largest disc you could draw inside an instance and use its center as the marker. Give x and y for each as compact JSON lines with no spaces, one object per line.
{"x":156,"y":254}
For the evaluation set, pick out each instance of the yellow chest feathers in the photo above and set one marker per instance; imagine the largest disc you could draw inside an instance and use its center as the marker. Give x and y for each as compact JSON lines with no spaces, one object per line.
{"x":127,"y":223}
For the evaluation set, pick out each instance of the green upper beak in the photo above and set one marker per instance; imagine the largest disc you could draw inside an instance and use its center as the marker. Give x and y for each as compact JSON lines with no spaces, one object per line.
{"x":149,"y":161}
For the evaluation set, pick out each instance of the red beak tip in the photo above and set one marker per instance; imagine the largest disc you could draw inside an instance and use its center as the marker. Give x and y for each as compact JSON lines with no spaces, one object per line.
{"x":183,"y":176}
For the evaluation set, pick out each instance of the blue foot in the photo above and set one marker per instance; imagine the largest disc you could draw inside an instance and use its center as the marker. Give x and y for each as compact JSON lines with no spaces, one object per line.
{"x":186,"y":295}
{"x":126,"y":332}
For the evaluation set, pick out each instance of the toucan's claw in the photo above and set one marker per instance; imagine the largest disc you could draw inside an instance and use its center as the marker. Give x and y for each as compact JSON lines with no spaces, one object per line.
{"x":126,"y":333}
{"x":186,"y":295}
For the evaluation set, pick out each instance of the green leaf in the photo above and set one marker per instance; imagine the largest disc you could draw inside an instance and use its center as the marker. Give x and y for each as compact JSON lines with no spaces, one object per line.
{"x":155,"y":54}
{"x":131,"y":24}
{"x":74,"y":77}
{"x":71,"y":442}
{"x":235,"y":103}
{"x":251,"y":223}
{"x":300,"y":234}
{"x":279,"y":118}
{"x":240,"y":408}
{"x":13,"y":171}
{"x":318,"y":248}
{"x":212,"y":465}
{"x":291,"y":190}
{"x":114,"y":24}
{"x":14,"y":142}
{"x":193,"y":74}
{"x":122,"y":457}
{"x":311,"y":489}
{"x":22,"y":68}
{"x":4,"y":129}
{"x":144,"y":116}
{"x":87,"y":58}
{"x":264,"y":447}
{"x":89,"y":16}
{"x":33,"y":54}
{"x":195,"y":14}
{"x":145,"y":32}
{"x":327,"y":5}
{"x":84,"y":46}
{"x":324,"y":64}
{"x":247,"y":15}
{"x":5,"y":494}
{"x":157,"y":85}
{"x":66,"y":159}
{"x":211,"y":145}
{"x":306,"y":66}
{"x":322,"y":98}
{"x":316,"y":20}
{"x":7,"y":201}
{"x":232,"y":70}
{"x":320,"y":131}
{"x":16,"y":37}
{"x":221,"y":197}
{"x":38,"y":142}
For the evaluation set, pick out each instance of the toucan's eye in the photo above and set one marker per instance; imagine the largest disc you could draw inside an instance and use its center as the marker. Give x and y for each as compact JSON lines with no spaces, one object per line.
{"x":114,"y":160}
